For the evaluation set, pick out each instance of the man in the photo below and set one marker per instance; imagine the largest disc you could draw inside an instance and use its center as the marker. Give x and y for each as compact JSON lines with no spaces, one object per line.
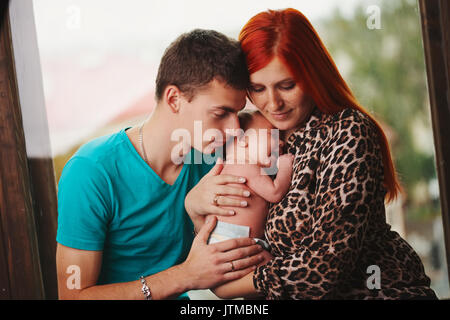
{"x":122,"y":224}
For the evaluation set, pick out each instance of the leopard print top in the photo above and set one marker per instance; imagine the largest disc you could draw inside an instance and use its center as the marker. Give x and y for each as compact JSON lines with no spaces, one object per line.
{"x":330,"y":228}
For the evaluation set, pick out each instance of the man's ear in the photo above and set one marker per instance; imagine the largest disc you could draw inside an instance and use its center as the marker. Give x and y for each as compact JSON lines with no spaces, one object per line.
{"x":172,"y":95}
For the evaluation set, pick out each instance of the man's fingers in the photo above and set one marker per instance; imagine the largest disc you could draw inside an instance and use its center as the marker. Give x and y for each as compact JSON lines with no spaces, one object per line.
{"x":239,"y":255}
{"x":234,"y":275}
{"x":242,"y":264}
{"x":207,"y":228}
{"x":234,"y":243}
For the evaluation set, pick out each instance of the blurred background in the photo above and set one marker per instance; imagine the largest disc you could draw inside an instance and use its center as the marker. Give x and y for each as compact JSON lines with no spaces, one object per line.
{"x":99,"y":62}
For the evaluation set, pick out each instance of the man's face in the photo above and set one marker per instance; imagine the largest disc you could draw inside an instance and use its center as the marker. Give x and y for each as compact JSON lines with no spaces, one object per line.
{"x":213,"y":110}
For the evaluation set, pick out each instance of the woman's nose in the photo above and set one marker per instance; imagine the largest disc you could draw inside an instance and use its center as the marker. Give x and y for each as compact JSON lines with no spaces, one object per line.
{"x":275,"y":102}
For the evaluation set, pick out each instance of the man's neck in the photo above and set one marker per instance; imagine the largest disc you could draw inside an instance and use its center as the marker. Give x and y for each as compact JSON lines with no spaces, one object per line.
{"x":157,"y":131}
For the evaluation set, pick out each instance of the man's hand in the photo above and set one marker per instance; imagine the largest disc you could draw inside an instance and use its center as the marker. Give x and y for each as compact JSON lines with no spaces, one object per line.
{"x":242,"y":287}
{"x":210,"y":265}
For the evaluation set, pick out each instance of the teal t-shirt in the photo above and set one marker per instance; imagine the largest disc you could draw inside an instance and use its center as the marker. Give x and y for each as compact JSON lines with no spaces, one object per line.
{"x":109,"y":199}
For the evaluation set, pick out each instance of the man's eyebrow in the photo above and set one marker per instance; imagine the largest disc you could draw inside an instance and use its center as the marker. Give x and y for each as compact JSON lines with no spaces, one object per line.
{"x":226,"y":108}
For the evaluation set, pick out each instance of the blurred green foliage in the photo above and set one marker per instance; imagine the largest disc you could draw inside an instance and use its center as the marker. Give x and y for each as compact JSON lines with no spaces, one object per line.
{"x":385,"y":68}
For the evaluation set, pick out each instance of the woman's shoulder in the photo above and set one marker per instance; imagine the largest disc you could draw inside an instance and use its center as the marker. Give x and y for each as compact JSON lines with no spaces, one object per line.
{"x":348,"y":122}
{"x":354,"y":121}
{"x":352,"y":115}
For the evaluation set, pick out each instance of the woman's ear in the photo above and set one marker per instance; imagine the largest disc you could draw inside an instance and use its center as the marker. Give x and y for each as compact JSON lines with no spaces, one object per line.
{"x":172,"y":96}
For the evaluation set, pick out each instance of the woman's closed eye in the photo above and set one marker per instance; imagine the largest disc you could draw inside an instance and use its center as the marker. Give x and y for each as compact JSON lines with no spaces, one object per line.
{"x":287,"y":86}
{"x":254,"y":88}
{"x":283,"y":86}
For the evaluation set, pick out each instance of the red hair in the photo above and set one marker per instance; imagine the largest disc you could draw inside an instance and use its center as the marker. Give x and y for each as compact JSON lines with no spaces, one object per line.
{"x":288,"y":35}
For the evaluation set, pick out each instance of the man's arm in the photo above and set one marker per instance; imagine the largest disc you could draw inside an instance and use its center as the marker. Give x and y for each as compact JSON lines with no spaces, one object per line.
{"x":206,"y":266}
{"x":164,"y":285}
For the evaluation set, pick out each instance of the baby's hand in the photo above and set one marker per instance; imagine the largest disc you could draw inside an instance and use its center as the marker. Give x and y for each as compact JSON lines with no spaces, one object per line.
{"x":285,"y":161}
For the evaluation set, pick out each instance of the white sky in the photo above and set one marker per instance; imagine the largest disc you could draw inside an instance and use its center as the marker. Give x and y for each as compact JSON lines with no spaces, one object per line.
{"x":66,"y":25}
{"x":80,"y":35}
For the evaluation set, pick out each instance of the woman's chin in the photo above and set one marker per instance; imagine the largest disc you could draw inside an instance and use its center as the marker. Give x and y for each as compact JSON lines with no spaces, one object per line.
{"x":283,"y":125}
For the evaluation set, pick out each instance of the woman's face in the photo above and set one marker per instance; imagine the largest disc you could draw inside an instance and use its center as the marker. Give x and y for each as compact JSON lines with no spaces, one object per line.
{"x":279,"y":97}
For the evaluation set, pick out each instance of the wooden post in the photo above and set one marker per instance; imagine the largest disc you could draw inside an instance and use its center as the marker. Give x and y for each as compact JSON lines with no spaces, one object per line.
{"x":28,"y":205}
{"x":20,"y":270}
{"x":435,"y":18}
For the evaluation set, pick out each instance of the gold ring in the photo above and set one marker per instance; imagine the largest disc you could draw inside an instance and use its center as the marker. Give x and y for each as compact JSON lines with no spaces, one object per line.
{"x":215,"y":200}
{"x":232,"y":266}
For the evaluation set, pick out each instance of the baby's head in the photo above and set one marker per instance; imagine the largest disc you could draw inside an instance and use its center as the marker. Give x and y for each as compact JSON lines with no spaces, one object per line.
{"x":261,"y":138}
{"x":253,"y":119}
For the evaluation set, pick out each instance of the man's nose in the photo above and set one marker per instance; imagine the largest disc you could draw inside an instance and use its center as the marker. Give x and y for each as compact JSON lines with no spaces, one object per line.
{"x":233,"y":126}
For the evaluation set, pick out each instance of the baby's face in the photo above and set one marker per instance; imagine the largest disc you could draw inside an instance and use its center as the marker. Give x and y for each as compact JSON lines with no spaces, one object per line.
{"x":262,"y":140}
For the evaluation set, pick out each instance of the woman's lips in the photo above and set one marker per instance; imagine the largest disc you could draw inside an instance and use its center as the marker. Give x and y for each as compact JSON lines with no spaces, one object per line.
{"x":280,"y":115}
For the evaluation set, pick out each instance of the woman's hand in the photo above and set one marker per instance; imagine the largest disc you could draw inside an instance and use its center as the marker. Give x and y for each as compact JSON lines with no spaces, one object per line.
{"x":211,"y":193}
{"x":209,"y":265}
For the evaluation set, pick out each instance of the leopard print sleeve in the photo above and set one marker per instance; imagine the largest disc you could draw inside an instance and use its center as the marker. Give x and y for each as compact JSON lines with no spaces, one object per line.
{"x":317,"y":230}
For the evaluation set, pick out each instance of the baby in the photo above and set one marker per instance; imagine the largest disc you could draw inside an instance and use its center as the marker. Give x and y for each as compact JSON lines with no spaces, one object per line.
{"x":242,"y":160}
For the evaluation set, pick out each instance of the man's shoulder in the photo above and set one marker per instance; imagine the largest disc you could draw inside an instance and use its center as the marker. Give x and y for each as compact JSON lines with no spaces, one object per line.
{"x":101,"y":147}
{"x":95,"y":156}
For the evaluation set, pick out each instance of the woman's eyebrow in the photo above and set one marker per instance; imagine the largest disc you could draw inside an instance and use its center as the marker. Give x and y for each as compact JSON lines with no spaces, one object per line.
{"x":280,"y":81}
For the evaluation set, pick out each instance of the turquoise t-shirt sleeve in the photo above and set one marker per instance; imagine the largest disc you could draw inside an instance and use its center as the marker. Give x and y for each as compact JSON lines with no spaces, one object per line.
{"x":84,"y":205}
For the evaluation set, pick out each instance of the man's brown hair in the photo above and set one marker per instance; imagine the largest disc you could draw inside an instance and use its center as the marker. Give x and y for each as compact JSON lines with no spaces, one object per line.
{"x":196,"y":58}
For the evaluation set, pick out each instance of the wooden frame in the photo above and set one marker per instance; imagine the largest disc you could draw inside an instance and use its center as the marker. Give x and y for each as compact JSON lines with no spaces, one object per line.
{"x":435,"y":18}
{"x":28,"y":210}
{"x":28,"y":207}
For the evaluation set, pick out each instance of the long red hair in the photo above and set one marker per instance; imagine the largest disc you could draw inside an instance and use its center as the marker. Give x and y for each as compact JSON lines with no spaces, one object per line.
{"x":288,"y":35}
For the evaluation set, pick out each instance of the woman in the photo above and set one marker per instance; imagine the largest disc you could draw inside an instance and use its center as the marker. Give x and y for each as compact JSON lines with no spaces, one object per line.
{"x":329,"y":232}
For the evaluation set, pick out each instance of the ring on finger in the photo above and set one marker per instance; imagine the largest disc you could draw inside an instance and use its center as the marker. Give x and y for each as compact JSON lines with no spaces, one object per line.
{"x":232,"y":266}
{"x":215,"y":200}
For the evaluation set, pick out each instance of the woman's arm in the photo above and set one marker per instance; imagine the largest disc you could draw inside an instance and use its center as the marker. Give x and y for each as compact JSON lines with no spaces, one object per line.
{"x":242,"y":287}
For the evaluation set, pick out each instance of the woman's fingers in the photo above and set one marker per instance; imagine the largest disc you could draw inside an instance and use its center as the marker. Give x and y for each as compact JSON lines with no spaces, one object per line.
{"x":230,"y":202}
{"x":228,"y":178}
{"x":232,"y":191}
